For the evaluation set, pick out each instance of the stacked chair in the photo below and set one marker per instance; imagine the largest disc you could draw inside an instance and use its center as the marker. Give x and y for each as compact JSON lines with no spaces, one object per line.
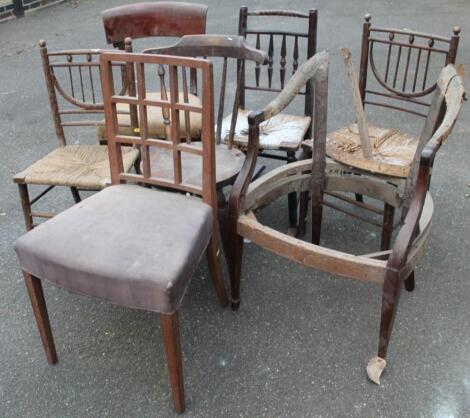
{"x":163,"y":157}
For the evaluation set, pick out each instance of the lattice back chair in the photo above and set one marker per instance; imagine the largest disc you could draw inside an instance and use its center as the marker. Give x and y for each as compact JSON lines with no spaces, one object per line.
{"x":74,"y":90}
{"x":133,"y":245}
{"x":289,"y":48}
{"x":229,"y":49}
{"x":398,"y":71}
{"x":154,"y":19}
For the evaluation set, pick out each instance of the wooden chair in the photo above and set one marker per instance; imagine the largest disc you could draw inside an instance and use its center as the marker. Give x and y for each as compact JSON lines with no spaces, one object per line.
{"x":230,"y":48}
{"x":155,"y":19}
{"x":133,"y":245}
{"x":396,"y":72}
{"x":318,"y":175}
{"x":73,"y":87}
{"x":285,"y":132}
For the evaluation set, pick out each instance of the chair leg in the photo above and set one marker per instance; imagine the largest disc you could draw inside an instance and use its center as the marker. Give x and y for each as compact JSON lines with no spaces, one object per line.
{"x":36,"y":295}
{"x":215,"y":270}
{"x":171,"y":339}
{"x":409,"y":282}
{"x":26,"y":205}
{"x":317,"y":213}
{"x":303,"y":209}
{"x":235,"y":266}
{"x":390,"y":298}
{"x":292,"y":201}
{"x":76,"y":195}
{"x":387,"y":227}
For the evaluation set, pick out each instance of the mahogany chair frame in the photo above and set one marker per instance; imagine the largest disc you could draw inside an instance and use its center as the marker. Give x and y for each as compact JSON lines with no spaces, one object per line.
{"x":403,"y":85}
{"x":319,"y":175}
{"x":245,"y":30}
{"x":206,"y":190}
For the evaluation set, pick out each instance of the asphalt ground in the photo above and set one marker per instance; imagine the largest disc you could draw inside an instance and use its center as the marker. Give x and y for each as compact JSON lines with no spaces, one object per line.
{"x":299,"y":344}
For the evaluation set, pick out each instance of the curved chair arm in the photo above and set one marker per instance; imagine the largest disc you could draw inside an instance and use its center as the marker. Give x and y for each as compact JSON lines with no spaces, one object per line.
{"x":227,"y":46}
{"x":454,"y":94}
{"x":308,"y":70}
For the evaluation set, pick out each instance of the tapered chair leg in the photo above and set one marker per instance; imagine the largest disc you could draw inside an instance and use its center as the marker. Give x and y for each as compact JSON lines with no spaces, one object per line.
{"x":76,"y":195}
{"x":36,"y":295}
{"x":292,"y":201}
{"x":387,"y":227}
{"x":390,"y":298}
{"x":317,"y":214}
{"x":235,"y":265}
{"x":26,"y":205}
{"x":215,"y":270}
{"x":171,"y":339}
{"x":303,"y":209}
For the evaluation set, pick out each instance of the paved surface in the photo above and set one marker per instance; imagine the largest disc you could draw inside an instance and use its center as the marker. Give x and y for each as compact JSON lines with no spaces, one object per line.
{"x":300,"y":342}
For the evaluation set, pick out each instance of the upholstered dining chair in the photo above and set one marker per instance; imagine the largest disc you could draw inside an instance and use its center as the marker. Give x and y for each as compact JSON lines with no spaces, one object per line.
{"x":73,"y":86}
{"x":128,"y":244}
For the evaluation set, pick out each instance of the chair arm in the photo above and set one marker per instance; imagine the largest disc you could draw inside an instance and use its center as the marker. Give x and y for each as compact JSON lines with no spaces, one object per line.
{"x":408,"y":231}
{"x":305,"y":72}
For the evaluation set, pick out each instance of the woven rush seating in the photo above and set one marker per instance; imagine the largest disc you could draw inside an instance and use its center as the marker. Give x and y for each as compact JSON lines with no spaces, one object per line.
{"x":82,"y":166}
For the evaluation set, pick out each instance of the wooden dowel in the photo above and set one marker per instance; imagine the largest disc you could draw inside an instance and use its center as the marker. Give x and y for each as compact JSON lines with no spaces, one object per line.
{"x":360,"y":115}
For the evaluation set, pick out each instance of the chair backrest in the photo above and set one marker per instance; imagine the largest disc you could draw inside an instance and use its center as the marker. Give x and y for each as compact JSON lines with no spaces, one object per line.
{"x":264,"y":36}
{"x":163,"y":18}
{"x":404,"y":65}
{"x":147,"y":68}
{"x":73,"y":86}
{"x":223,"y":46}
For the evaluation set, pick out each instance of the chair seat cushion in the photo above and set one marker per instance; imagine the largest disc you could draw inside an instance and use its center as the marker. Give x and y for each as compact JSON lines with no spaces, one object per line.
{"x":156,"y":127}
{"x":392,"y":151}
{"x":128,"y":244}
{"x":281,"y":132}
{"x":82,"y":166}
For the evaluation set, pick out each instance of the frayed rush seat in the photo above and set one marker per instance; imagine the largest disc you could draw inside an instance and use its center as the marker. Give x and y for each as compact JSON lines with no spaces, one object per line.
{"x":392,"y":151}
{"x":155,"y":120}
{"x":282,"y":132}
{"x":118,"y":245}
{"x":82,"y":166}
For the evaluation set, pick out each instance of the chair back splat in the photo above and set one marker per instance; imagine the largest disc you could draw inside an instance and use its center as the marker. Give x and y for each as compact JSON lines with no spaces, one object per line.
{"x":73,"y":86}
{"x":402,"y":63}
{"x":265,"y":37}
{"x":150,"y":68}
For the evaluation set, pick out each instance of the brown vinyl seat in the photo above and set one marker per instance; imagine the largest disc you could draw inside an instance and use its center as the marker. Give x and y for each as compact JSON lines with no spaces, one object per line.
{"x":90,"y":248}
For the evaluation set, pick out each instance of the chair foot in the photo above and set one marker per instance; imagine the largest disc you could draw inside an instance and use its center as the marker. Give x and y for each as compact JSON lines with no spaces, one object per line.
{"x":235,"y":304}
{"x":171,"y":339}
{"x":36,"y":295}
{"x":409,"y":282}
{"x":375,"y":368}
